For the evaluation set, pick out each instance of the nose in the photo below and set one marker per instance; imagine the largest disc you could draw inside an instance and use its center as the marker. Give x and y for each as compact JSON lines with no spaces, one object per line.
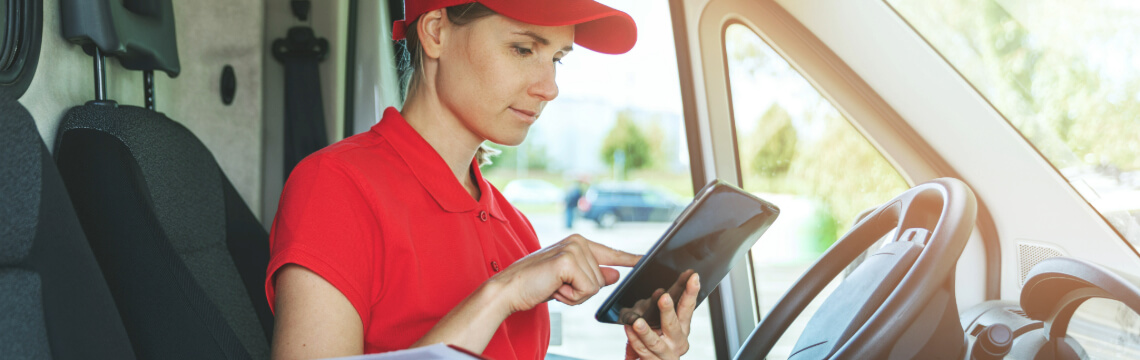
{"x":544,"y":87}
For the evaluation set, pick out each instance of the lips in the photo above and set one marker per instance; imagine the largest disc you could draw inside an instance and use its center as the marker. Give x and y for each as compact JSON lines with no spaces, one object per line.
{"x":525,"y":115}
{"x":525,"y":112}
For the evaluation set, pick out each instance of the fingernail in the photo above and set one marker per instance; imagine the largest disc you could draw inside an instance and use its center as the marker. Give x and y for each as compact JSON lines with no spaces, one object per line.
{"x":640,"y":325}
{"x":698,"y":277}
{"x":668,"y":300}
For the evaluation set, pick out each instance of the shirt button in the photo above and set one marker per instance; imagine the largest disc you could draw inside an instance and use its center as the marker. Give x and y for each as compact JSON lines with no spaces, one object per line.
{"x":483,"y":217}
{"x":495,"y":266}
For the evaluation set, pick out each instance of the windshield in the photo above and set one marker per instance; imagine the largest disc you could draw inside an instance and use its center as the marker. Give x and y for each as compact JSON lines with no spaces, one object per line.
{"x":1065,"y":74}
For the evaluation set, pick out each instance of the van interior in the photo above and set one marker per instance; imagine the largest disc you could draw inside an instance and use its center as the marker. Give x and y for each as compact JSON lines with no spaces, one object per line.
{"x":957,"y":179}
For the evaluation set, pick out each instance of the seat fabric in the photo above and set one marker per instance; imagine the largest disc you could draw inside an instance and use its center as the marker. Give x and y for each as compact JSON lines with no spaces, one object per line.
{"x":55,"y":301}
{"x":183,"y":255}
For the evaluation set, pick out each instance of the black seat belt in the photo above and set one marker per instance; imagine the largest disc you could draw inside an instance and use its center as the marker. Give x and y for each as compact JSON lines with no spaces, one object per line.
{"x":300,"y":52}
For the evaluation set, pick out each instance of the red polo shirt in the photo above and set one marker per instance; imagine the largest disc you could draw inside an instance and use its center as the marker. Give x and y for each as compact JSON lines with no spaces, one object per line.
{"x":382,"y":218}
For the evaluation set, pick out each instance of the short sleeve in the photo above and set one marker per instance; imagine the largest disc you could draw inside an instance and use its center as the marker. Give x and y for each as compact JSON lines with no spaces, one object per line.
{"x":325,"y":223}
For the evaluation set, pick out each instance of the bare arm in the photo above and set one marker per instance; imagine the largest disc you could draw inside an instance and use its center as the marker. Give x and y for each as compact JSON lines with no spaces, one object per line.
{"x":471,"y":324}
{"x":569,"y":271}
{"x":313,"y":319}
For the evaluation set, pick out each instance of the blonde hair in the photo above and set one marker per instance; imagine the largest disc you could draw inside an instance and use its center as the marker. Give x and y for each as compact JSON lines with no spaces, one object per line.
{"x":412,"y":62}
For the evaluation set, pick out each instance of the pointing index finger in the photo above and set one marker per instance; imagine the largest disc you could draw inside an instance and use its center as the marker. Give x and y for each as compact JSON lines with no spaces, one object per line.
{"x":612,"y":257}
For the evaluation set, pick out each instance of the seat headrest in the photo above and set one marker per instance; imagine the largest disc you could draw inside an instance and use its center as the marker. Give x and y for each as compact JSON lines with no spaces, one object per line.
{"x":140,"y":33}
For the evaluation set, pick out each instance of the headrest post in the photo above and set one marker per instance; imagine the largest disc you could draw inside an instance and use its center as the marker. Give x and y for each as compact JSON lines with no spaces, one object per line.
{"x":148,"y":89}
{"x":100,"y":77}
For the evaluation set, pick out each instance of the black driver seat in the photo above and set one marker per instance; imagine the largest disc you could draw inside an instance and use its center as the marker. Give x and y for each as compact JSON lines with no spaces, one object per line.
{"x":54,"y":302}
{"x":183,"y":255}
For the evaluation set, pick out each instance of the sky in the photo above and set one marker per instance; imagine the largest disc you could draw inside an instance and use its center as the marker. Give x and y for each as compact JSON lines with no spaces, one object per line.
{"x":645,"y":77}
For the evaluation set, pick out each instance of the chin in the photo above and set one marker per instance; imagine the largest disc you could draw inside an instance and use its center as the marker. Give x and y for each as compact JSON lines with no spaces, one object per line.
{"x":509,"y":139}
{"x":511,"y":142}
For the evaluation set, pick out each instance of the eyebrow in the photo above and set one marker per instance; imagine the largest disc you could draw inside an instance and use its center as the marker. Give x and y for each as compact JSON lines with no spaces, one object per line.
{"x":541,"y":40}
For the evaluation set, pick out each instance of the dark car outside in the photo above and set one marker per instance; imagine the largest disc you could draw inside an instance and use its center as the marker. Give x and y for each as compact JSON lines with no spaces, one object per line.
{"x":608,"y":204}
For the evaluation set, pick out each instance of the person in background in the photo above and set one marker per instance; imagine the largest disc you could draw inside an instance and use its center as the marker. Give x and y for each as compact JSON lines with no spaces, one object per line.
{"x":573,"y":194}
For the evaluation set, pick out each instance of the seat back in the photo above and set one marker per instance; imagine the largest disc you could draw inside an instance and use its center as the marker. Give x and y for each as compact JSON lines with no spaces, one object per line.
{"x":183,"y":255}
{"x":55,"y":302}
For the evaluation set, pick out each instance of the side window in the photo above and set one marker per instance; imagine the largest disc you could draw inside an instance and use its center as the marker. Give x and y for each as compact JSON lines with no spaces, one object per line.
{"x":634,"y":199}
{"x":615,"y":129}
{"x":651,"y":197}
{"x":797,"y":151}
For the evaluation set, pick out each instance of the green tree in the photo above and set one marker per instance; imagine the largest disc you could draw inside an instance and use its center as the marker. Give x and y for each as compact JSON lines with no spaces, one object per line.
{"x":655,"y":135}
{"x":821,"y":229}
{"x":825,"y":160}
{"x":629,"y":138}
{"x":508,"y":158}
{"x":843,"y":171}
{"x":774,"y":129}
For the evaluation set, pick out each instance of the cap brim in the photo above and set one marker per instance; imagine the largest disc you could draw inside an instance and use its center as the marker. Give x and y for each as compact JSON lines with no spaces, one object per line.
{"x":597,"y":27}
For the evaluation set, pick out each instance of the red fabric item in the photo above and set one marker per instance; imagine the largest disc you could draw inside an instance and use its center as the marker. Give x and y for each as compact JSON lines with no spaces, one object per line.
{"x":381,"y":217}
{"x":598,"y":27}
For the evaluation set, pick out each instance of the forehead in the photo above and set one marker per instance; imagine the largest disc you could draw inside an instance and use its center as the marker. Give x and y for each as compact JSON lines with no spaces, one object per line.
{"x":558,"y":36}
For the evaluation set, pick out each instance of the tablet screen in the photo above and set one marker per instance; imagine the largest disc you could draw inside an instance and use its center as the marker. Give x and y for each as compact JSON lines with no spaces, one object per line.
{"x":711,"y":235}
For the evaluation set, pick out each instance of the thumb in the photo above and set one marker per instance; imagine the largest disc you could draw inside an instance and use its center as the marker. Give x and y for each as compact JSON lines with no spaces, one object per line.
{"x":611,"y":275}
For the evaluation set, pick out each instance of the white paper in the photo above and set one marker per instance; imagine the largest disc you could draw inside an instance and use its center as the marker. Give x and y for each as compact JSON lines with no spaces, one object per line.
{"x":433,"y":352}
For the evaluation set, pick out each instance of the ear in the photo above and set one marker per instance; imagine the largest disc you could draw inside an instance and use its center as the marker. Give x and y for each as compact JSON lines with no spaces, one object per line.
{"x":430,"y":29}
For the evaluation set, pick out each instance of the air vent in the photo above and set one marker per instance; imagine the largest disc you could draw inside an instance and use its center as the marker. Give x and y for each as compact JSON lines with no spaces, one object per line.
{"x":1018,"y":312}
{"x":977,"y":330}
{"x":1029,"y":254}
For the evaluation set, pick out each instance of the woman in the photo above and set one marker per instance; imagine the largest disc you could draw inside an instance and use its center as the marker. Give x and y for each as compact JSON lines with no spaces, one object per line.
{"x":392,"y":238}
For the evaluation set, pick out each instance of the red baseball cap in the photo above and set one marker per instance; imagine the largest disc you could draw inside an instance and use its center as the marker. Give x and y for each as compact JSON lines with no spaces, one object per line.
{"x":597,"y":27}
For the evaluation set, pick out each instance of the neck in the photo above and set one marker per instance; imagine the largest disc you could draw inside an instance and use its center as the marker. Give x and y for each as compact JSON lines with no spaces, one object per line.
{"x":444,"y":132}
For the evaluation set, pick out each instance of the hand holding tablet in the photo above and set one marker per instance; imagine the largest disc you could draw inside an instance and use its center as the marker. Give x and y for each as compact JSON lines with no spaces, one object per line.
{"x":647,"y":308}
{"x":711,"y":235}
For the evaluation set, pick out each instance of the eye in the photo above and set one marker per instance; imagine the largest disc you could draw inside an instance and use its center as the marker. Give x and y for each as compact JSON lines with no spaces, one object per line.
{"x":523,"y":51}
{"x":558,"y":61}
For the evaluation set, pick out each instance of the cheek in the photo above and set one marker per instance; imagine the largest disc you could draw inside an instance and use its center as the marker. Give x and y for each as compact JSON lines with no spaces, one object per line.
{"x":497,"y":75}
{"x":470,"y":81}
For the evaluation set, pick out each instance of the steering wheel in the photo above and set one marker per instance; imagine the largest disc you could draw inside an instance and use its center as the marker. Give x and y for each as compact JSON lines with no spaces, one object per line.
{"x":897,"y":301}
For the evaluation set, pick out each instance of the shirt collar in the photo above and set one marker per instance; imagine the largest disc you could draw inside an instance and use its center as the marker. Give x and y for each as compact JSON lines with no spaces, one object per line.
{"x":432,"y":171}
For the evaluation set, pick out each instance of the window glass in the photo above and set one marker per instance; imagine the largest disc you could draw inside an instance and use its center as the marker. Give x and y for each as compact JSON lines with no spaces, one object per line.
{"x":614,"y":134}
{"x":1118,"y":341}
{"x":798,"y":152}
{"x":1066,"y":74}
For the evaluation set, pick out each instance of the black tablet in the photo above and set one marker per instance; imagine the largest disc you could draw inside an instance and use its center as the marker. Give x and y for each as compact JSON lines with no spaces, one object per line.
{"x":713,"y":233}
